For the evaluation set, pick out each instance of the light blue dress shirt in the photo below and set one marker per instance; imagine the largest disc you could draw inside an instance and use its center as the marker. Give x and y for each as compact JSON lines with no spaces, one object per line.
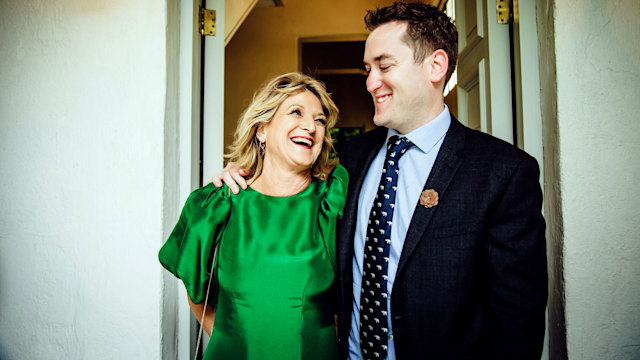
{"x":415,"y":167}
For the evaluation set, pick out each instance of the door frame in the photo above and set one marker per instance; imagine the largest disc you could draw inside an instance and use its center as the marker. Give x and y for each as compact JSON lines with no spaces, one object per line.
{"x":528,"y":122}
{"x":190,"y":107}
{"x":200,"y":145}
{"x":189,"y":149}
{"x":527,"y":89}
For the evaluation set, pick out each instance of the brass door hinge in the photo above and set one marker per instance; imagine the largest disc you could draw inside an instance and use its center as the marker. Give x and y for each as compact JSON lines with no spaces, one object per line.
{"x":503,"y":11}
{"x":207,"y":22}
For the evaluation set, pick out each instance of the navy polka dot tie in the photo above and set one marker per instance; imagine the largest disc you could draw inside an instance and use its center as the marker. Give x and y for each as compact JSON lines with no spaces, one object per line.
{"x":373,"y":298}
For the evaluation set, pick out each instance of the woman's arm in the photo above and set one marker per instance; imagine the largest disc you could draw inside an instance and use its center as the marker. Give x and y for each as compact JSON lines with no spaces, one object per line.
{"x":209,"y":316}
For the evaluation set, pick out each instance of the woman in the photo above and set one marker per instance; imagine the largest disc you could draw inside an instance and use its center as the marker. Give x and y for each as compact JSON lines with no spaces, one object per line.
{"x":273,"y":283}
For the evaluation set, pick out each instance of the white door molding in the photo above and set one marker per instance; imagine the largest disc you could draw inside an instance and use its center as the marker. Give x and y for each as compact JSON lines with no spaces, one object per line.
{"x":484,"y":69}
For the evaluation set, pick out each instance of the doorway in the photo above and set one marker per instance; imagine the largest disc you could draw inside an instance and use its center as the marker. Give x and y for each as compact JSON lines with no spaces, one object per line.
{"x":273,"y":40}
{"x":345,"y":80}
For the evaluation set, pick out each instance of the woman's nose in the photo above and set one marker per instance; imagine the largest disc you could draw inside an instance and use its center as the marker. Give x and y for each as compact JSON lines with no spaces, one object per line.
{"x":308,"y":124}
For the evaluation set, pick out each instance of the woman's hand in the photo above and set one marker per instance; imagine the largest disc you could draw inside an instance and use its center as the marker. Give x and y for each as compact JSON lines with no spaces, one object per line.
{"x":232,"y":176}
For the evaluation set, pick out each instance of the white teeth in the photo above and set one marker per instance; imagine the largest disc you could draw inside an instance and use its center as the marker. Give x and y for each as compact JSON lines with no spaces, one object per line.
{"x":302,"y":141}
{"x":382,"y":98}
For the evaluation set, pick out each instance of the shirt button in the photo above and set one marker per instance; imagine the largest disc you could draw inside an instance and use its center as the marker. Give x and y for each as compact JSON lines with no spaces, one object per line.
{"x":391,"y":337}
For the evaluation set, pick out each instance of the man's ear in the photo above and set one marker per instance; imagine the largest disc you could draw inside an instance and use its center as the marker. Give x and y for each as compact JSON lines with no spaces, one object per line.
{"x":437,"y":65}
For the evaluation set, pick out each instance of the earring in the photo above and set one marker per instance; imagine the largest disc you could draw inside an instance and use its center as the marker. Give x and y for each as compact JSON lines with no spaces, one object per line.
{"x":261,"y":148}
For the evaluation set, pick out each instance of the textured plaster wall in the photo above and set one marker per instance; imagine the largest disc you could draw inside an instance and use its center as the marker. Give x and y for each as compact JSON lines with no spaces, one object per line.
{"x":83,"y":109}
{"x":598,"y":92}
{"x":270,"y":36}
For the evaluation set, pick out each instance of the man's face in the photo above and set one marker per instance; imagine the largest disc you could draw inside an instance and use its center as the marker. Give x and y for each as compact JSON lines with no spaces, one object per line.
{"x":399,"y":86}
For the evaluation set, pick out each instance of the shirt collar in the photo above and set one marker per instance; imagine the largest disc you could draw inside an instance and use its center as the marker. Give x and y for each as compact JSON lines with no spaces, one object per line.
{"x":428,"y":135}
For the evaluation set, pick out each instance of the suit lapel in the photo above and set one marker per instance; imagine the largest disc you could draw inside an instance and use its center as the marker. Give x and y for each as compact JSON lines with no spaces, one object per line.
{"x":444,"y":168}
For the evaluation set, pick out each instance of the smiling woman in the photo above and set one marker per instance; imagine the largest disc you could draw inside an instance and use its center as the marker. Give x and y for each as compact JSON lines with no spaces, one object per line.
{"x":273,"y":281}
{"x":293,"y":140}
{"x":270,"y":104}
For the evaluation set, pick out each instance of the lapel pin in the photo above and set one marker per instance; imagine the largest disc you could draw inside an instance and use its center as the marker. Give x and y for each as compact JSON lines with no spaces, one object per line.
{"x":429,"y":198}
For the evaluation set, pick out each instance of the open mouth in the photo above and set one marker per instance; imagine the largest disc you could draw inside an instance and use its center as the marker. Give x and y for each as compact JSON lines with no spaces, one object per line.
{"x":303,"y":141}
{"x":382,"y":98}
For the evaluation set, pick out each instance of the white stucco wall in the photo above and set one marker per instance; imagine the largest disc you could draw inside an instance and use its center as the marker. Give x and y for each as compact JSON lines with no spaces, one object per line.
{"x":598,"y":102}
{"x":83,"y":110}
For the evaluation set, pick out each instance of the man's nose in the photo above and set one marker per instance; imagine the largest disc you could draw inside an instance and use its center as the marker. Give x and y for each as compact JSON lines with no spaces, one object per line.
{"x":373,"y":81}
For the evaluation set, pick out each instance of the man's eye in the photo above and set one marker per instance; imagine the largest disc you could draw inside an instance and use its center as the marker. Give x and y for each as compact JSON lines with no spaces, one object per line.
{"x":385,"y":67}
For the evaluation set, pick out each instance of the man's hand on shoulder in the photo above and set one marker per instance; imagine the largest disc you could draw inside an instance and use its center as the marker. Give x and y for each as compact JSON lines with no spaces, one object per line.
{"x":232,"y":176}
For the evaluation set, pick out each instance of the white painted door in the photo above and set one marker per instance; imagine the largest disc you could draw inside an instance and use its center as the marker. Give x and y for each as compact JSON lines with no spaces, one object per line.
{"x":213,"y":102}
{"x":213,"y":98}
{"x":484,"y":69}
{"x":201,"y":114}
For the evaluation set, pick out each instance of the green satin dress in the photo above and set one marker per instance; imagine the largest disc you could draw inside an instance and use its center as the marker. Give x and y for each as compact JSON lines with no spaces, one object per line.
{"x":274,"y":277}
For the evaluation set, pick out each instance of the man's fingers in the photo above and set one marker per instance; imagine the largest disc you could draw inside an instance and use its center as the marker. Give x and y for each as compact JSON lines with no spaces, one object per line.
{"x":217,"y":180}
{"x":228,"y":179}
{"x":232,"y":176}
{"x":239,"y":178}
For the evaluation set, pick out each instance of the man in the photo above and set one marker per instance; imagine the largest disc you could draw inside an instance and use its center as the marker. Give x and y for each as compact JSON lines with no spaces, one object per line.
{"x":466,"y":265}
{"x":441,"y":248}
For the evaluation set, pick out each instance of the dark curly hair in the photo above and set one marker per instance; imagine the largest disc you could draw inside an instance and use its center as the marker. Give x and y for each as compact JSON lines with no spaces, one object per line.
{"x":428,"y":29}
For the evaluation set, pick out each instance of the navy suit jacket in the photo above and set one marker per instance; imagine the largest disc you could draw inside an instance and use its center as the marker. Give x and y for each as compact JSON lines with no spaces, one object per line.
{"x":472,"y":275}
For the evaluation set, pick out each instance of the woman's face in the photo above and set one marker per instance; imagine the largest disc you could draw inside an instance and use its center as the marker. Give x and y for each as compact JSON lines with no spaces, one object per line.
{"x":295,"y":135}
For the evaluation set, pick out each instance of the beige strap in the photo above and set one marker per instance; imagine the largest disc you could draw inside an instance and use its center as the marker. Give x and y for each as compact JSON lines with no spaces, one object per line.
{"x":206,"y":298}
{"x":206,"y":302}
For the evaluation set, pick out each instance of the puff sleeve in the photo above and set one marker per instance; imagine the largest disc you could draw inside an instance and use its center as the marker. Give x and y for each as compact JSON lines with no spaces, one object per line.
{"x":188,"y":251}
{"x":331,"y":209}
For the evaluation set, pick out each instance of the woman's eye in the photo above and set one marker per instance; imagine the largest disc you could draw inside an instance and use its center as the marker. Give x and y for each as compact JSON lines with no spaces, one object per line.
{"x":322,"y":121}
{"x":296,"y":112}
{"x":385,"y":67}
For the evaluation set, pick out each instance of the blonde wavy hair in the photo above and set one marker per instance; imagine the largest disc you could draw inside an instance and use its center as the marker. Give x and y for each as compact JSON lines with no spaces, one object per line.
{"x":266,"y":101}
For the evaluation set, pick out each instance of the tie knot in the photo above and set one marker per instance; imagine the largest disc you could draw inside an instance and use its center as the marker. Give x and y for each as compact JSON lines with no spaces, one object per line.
{"x":397,"y":146}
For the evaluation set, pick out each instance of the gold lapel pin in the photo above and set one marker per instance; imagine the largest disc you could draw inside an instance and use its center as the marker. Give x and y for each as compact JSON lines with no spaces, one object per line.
{"x":429,"y":198}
